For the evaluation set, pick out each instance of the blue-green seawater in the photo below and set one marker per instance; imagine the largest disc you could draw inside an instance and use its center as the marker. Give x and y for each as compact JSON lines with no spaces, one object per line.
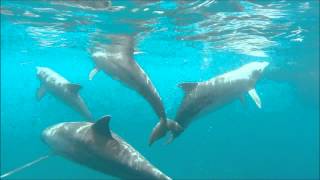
{"x":180,"y":41}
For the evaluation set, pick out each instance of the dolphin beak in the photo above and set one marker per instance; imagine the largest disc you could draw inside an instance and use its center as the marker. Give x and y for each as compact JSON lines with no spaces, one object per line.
{"x":38,"y":68}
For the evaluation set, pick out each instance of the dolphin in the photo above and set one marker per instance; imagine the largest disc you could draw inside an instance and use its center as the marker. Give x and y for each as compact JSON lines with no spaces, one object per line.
{"x":207,"y":96}
{"x":61,"y":88}
{"x":94,"y":145}
{"x":116,"y":59}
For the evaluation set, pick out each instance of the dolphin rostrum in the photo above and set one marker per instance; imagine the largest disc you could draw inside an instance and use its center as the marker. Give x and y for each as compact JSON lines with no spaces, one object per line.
{"x":116,"y":59}
{"x":96,"y":146}
{"x":61,"y":88}
{"x":201,"y":97}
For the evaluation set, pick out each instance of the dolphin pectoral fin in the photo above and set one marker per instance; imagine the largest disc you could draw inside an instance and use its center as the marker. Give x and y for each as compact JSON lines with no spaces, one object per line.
{"x":93,"y":72}
{"x":188,"y":86}
{"x":170,"y":139}
{"x":74,"y":87}
{"x":255,"y":97}
{"x":102,"y":126}
{"x":41,"y":91}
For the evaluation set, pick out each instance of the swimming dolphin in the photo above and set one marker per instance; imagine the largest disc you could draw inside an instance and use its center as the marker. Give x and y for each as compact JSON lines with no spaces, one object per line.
{"x":61,"y":88}
{"x":200,"y":97}
{"x":116,"y":59}
{"x":96,"y":146}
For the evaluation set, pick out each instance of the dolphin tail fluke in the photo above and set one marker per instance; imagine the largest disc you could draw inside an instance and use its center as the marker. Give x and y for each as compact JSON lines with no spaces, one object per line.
{"x":173,"y":126}
{"x":175,"y":129}
{"x":162,"y":128}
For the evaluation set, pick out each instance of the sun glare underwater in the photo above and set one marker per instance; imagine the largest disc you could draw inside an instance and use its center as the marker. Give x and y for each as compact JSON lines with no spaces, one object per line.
{"x":159,"y":89}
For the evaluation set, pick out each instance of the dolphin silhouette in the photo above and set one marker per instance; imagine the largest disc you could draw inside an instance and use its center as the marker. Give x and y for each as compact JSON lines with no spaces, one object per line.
{"x":96,"y":146}
{"x":116,"y":59}
{"x":207,"y":96}
{"x":62,"y":89}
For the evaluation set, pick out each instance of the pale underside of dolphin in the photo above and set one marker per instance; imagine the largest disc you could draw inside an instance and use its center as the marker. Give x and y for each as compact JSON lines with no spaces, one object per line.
{"x":61,"y":88}
{"x":116,"y":60}
{"x":96,"y":146}
{"x":203,"y":97}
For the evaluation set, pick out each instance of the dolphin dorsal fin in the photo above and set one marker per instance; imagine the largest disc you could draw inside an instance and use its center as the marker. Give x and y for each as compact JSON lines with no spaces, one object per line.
{"x":188,"y":86}
{"x":74,"y":87}
{"x":102,"y":125}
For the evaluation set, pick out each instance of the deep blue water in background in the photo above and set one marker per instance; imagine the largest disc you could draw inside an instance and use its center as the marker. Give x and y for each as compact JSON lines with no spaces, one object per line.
{"x":181,"y":41}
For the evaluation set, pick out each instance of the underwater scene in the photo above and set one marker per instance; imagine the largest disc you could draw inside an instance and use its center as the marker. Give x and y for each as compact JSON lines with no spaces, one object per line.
{"x":160,"y":89}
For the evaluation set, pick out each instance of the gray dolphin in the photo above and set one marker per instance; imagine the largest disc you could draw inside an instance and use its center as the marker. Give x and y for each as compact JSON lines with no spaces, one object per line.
{"x":96,"y":146}
{"x":61,"y":88}
{"x":116,"y":59}
{"x":201,"y":97}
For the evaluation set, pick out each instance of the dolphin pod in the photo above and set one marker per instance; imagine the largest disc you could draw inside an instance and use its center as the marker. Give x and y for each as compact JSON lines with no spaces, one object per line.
{"x":62,"y":89}
{"x":117,"y":60}
{"x":96,"y":146}
{"x":201,"y":97}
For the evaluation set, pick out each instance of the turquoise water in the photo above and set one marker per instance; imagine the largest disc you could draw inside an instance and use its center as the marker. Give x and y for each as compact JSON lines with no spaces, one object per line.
{"x":179,"y":41}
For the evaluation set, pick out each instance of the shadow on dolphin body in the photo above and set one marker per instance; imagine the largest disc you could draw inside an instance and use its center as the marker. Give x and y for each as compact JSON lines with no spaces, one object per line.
{"x":61,"y":88}
{"x":203,"y":97}
{"x":116,"y":60}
